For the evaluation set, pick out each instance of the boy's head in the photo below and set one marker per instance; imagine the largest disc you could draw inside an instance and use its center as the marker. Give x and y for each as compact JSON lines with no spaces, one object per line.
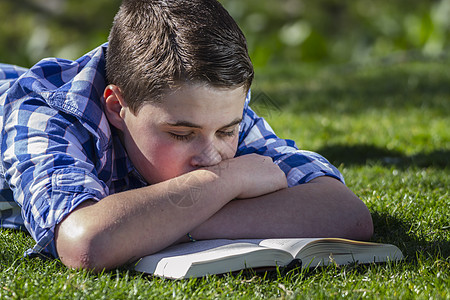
{"x":178,"y":73}
{"x":157,"y":46}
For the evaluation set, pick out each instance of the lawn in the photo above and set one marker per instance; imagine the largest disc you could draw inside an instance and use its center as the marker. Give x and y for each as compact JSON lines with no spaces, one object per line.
{"x":384,"y":124}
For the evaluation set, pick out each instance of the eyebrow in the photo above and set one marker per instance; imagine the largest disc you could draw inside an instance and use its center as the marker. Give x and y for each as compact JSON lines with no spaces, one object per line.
{"x":193,"y":125}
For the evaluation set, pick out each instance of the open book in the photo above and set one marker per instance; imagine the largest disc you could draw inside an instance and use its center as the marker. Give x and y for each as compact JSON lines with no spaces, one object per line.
{"x":223,"y":256}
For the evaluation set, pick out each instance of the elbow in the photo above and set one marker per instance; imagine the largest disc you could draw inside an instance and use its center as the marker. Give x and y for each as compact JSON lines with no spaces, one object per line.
{"x":79,"y":248}
{"x":361,"y":228}
{"x":80,"y":257}
{"x":364,"y":227}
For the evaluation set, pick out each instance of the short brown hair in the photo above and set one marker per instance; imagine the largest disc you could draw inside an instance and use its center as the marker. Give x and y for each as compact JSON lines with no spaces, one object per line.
{"x":157,"y":45}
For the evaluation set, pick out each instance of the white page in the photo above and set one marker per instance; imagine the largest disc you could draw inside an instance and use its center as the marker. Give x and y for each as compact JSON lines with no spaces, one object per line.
{"x":290,"y":245}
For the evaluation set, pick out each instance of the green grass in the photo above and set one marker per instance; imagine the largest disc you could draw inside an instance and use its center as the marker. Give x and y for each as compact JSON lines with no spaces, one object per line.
{"x":385,"y":125}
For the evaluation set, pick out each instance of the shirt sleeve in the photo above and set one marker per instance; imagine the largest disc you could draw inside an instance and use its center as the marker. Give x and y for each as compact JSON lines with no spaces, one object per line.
{"x":45,"y":159}
{"x":300,"y":166}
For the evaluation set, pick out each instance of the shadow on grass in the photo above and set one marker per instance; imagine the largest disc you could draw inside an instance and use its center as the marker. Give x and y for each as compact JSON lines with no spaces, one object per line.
{"x":392,"y":230}
{"x":363,"y":154}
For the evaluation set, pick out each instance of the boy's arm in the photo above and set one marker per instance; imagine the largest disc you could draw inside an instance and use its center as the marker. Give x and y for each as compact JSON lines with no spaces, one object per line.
{"x":323,"y":207}
{"x":128,"y":225}
{"x":125,"y":226}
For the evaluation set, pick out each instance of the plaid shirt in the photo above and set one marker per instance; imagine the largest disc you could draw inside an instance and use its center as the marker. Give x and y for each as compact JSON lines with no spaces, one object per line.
{"x":58,"y":150}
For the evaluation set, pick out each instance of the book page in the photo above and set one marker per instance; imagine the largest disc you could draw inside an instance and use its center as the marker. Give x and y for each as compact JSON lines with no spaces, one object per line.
{"x":293,"y":246}
{"x":322,"y":251}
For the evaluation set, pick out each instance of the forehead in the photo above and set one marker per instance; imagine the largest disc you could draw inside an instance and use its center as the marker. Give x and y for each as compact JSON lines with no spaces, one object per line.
{"x":199,"y":104}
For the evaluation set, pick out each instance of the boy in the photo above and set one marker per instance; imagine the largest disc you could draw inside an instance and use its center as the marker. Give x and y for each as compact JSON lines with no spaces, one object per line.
{"x":148,"y":140}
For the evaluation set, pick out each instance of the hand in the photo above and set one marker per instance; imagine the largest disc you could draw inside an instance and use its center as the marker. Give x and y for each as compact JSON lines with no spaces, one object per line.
{"x":255,"y":175}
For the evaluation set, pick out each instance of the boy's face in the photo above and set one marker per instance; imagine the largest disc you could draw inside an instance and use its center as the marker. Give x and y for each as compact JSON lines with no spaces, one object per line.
{"x":195,"y":126}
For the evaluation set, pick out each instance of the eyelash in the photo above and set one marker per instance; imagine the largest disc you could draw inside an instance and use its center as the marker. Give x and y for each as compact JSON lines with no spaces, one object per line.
{"x":187,"y":137}
{"x":227,"y":133}
{"x":181,"y":137}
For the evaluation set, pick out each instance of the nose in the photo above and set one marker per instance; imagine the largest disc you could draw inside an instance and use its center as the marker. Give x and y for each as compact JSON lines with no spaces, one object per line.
{"x":210,"y":155}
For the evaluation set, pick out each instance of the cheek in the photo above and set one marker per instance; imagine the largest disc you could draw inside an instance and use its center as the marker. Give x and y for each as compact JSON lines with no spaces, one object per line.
{"x":172,"y":157}
{"x":166,"y":152}
{"x":230,"y":147}
{"x":164,"y":160}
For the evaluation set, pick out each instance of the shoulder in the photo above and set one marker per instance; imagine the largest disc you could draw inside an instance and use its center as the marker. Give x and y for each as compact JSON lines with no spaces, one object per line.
{"x":73,"y":87}
{"x":63,"y":88}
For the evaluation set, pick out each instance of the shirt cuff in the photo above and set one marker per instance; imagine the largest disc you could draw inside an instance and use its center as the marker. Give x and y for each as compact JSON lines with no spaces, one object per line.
{"x":302,"y":166}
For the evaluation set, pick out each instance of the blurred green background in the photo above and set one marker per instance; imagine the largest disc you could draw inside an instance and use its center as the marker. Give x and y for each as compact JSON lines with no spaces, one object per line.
{"x":364,"y":83}
{"x":278,"y":31}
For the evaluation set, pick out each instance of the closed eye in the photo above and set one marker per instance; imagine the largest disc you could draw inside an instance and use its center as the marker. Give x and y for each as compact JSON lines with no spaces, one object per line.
{"x":227,"y":133}
{"x":182,"y":137}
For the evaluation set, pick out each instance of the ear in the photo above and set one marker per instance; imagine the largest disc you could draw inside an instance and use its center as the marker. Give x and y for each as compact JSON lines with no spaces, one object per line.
{"x":115,"y":106}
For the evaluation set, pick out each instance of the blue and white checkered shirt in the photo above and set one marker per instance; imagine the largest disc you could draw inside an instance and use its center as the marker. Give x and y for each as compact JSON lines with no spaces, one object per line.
{"x":58,"y":150}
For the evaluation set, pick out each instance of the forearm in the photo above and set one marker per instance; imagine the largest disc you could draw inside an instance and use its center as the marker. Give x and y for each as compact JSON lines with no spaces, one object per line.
{"x":322,"y":208}
{"x":128,"y":225}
